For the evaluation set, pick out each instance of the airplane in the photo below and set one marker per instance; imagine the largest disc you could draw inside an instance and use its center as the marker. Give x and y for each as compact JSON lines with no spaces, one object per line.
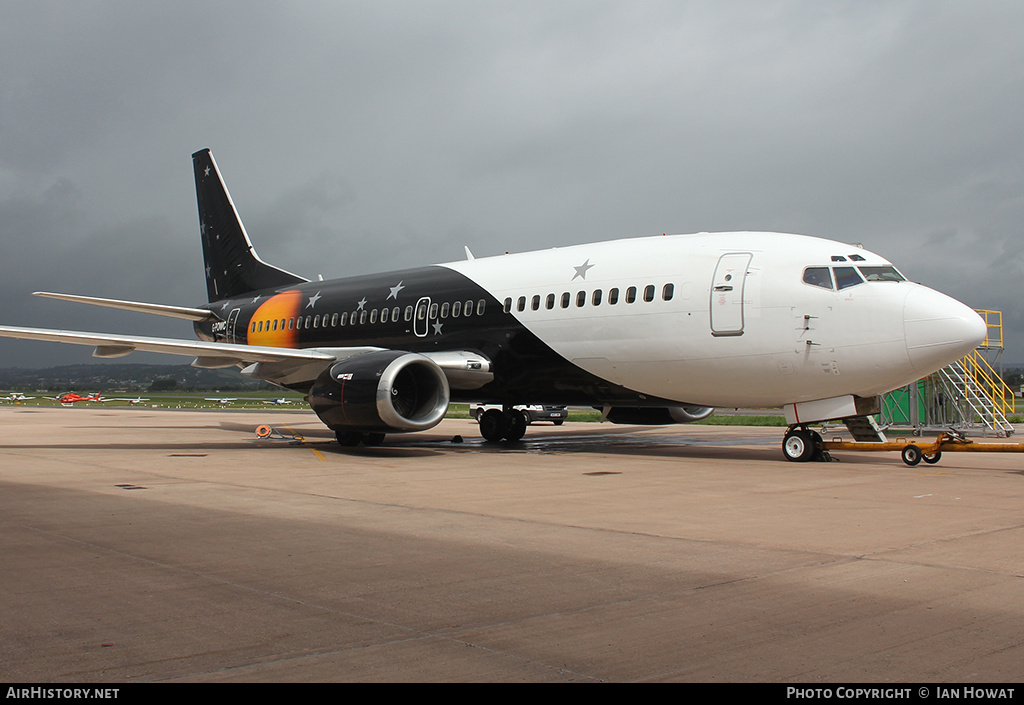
{"x":133,"y":400}
{"x":651,"y":330}
{"x":222,"y":400}
{"x":16,"y":396}
{"x":279,"y":401}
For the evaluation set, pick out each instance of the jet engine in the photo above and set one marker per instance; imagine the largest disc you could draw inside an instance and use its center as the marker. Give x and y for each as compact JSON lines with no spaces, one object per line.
{"x":658,"y":416}
{"x":383,"y":391}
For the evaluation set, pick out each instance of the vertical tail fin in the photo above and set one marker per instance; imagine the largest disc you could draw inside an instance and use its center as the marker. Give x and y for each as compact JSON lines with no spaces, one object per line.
{"x":232,"y":266}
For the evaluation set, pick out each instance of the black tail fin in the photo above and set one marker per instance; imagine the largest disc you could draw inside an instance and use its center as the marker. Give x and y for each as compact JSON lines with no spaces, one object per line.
{"x":232,"y":266}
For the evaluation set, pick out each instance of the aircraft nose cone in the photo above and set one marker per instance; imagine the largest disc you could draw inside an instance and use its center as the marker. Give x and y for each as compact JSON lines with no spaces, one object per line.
{"x":939,"y":330}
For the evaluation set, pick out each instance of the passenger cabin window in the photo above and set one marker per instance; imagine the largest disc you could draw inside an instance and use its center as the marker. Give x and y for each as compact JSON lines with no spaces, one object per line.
{"x":630,"y":294}
{"x":613,"y":296}
{"x":667,"y":292}
{"x":818,"y":276}
{"x":649,"y":293}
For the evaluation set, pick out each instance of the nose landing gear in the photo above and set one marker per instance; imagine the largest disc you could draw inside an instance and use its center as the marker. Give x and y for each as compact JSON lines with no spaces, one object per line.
{"x":801,"y":445}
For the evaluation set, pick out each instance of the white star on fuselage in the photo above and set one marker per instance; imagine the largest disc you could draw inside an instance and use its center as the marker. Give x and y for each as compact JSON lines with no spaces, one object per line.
{"x":437,"y":328}
{"x":581,"y":271}
{"x":312,"y":300}
{"x":394,"y":291}
{"x":361,"y":304}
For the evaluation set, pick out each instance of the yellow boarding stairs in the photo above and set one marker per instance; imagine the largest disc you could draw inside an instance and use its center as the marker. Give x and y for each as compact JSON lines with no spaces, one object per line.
{"x":968,"y":395}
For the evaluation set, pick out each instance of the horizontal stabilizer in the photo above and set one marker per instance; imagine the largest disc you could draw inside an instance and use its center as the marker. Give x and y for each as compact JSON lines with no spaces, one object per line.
{"x":190,"y":314}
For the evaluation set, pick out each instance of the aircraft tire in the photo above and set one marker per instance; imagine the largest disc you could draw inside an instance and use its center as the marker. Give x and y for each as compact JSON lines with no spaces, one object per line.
{"x":493,"y":425}
{"x":517,"y":425}
{"x":348,"y":438}
{"x":798,"y":445}
{"x":933,"y":458}
{"x":373,"y":439}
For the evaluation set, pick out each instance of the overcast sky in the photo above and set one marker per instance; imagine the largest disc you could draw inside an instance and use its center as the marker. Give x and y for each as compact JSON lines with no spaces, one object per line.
{"x":366,"y":136}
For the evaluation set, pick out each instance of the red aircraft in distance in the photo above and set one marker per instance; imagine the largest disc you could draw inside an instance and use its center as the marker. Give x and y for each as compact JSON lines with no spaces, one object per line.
{"x":71,"y":397}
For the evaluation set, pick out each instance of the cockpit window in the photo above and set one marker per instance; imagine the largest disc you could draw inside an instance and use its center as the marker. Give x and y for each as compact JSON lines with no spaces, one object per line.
{"x":818,"y":276}
{"x":847,"y":277}
{"x":882,"y":274}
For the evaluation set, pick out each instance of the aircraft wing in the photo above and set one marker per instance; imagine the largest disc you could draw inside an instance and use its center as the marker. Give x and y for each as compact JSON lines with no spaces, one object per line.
{"x":465,"y":370}
{"x":112,"y":345}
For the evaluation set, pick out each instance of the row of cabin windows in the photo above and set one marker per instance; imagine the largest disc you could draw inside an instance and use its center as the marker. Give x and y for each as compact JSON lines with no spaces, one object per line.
{"x":595,"y":298}
{"x":383,"y":315}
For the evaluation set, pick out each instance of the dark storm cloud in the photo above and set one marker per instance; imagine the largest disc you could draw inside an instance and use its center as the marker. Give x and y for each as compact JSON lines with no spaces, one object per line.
{"x":364,"y":136}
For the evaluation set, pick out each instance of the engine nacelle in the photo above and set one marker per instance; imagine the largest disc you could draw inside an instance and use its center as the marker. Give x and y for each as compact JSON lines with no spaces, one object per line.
{"x":385,"y":391}
{"x":658,"y":416}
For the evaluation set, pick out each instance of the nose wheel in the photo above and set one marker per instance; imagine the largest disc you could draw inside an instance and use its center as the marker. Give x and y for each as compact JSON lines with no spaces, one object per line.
{"x":801,"y":445}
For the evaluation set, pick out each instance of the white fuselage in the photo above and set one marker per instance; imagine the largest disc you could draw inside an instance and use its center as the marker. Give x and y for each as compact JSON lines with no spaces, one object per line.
{"x":739,"y":325}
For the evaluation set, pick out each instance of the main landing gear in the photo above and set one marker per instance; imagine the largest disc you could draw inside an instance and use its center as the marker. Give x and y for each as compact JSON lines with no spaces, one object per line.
{"x":507,"y":424}
{"x":354,"y":438}
{"x":801,"y":445}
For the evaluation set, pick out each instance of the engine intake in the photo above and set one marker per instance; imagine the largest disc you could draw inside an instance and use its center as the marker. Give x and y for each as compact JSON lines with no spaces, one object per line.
{"x":389,"y":390}
{"x":658,"y":416}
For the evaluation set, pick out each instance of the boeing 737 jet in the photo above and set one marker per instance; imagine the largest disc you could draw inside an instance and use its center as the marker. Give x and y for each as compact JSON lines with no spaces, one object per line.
{"x":651,"y":330}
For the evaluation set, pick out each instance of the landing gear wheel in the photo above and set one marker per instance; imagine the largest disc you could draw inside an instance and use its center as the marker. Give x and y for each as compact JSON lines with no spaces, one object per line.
{"x":933,"y":458}
{"x":799,"y":445}
{"x":493,"y":425}
{"x":912,"y":455}
{"x":348,"y":438}
{"x":517,"y":426}
{"x":373,"y":439}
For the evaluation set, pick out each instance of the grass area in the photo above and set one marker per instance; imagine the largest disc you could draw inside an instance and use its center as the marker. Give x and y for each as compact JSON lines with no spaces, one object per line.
{"x":769,"y":418}
{"x":294,"y":401}
{"x":176,"y":400}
